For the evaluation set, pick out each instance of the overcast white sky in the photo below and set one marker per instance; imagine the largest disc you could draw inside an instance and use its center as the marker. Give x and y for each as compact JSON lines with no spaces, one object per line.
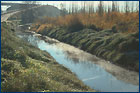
{"x":67,"y":3}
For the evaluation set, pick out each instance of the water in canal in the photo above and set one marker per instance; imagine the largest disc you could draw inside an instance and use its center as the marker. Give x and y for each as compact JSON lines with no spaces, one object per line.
{"x":90,"y":73}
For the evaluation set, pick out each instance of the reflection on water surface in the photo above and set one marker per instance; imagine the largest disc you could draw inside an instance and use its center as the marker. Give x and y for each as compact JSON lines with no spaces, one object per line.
{"x":80,"y":63}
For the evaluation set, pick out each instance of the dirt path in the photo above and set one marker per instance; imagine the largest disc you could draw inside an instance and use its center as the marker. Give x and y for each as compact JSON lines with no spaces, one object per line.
{"x":4,"y":17}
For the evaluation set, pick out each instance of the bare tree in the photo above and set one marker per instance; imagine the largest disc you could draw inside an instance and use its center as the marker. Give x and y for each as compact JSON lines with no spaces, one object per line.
{"x":75,"y":8}
{"x":83,"y":7}
{"x":126,"y":7}
{"x":63,"y":9}
{"x":108,"y":12}
{"x":137,"y":7}
{"x":91,"y":7}
{"x":115,"y":6}
{"x":72,"y":7}
{"x":69,"y":9}
{"x":100,"y":8}
{"x":132,"y":7}
{"x":109,"y":9}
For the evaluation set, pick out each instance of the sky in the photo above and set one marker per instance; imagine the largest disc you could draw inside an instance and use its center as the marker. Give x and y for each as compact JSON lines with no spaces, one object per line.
{"x":68,"y":3}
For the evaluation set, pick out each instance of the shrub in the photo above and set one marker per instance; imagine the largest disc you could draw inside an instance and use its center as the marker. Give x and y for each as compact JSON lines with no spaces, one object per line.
{"x":75,"y":24}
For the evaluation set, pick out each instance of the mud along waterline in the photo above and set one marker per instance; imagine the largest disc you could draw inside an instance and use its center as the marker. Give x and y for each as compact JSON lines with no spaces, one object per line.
{"x":99,"y":74}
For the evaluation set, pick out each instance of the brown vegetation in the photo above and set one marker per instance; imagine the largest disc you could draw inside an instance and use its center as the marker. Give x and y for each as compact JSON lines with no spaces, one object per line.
{"x":104,"y":18}
{"x":121,"y":21}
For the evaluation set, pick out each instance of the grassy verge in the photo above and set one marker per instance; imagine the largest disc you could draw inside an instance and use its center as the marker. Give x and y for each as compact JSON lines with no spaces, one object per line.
{"x":25,"y":68}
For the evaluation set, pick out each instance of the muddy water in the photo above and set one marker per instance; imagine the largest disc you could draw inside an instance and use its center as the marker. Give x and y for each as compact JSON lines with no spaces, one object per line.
{"x":99,"y":74}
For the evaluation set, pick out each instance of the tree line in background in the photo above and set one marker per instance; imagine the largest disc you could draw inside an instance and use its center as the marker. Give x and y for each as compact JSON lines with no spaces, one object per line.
{"x":85,"y":14}
{"x":89,"y":7}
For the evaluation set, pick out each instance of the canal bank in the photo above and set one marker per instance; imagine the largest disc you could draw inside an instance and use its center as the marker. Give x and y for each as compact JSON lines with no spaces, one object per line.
{"x":26,"y":68}
{"x":94,"y":72}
